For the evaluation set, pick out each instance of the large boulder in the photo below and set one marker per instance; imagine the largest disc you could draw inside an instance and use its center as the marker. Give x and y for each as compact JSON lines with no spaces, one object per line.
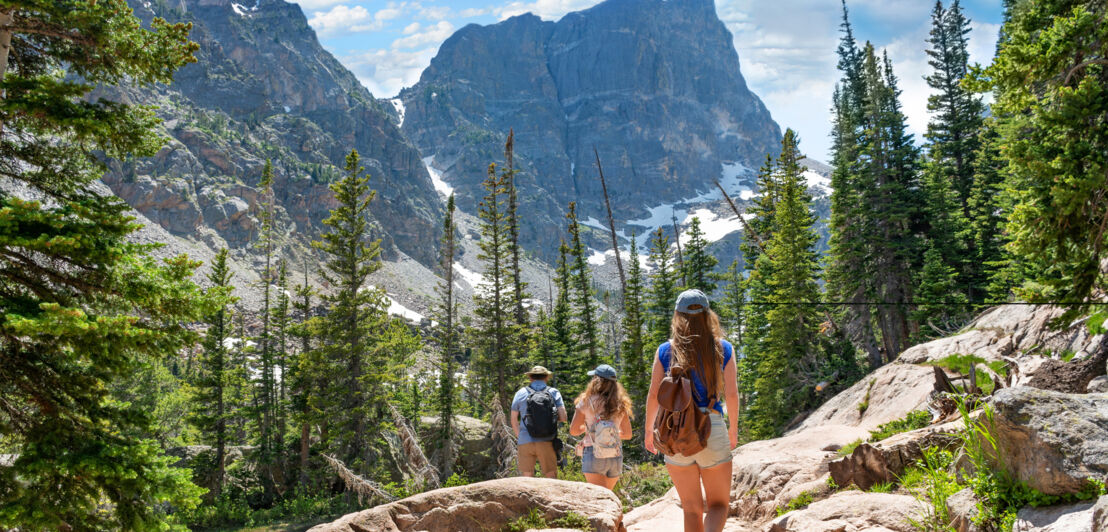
{"x":1052,"y":441}
{"x":770,"y":473}
{"x":851,"y":511}
{"x":1063,"y":518}
{"x":888,"y":393}
{"x":487,"y":505}
{"x":474,"y":439}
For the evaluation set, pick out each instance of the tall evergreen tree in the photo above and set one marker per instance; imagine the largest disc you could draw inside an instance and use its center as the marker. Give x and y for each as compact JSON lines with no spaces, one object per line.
{"x":732,"y":303}
{"x":699,"y":262}
{"x":265,"y":395}
{"x":957,"y":114}
{"x":992,"y":269}
{"x":587,"y":330}
{"x":447,"y":333}
{"x":496,"y":335}
{"x":518,"y":286}
{"x":300,"y":377}
{"x":663,"y":289}
{"x":635,"y":362}
{"x":81,"y":306}
{"x":210,"y":405}
{"x":1050,"y":80}
{"x":349,"y":364}
{"x":790,"y":349}
{"x":847,"y":271}
{"x":561,"y":319}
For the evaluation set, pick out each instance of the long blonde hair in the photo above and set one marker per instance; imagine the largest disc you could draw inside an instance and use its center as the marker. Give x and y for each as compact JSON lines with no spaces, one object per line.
{"x":606,"y":398}
{"x":696,"y":347}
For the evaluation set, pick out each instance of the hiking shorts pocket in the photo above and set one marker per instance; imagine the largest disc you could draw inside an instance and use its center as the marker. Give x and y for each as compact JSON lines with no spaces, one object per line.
{"x":718,"y":450}
{"x":609,"y":467}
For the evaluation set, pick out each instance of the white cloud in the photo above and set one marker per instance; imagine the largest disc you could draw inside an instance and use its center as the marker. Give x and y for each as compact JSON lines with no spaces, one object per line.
{"x":411,"y":28}
{"x":313,"y":5}
{"x":547,"y":9}
{"x":343,"y":19}
{"x":432,"y":35}
{"x":385,"y":72}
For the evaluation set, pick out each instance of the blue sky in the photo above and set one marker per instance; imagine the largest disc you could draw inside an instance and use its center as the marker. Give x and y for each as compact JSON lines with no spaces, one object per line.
{"x":786,"y":47}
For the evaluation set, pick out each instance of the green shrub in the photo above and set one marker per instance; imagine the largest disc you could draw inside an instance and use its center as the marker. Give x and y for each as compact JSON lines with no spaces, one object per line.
{"x":536,"y":520}
{"x":864,"y":405}
{"x":883,"y":487}
{"x":456,"y":479}
{"x":916,"y":419}
{"x":848,"y":449}
{"x":801,"y":501}
{"x":643,"y":483}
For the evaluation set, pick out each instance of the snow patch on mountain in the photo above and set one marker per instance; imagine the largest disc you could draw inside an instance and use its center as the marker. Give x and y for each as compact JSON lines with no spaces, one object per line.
{"x":713,"y":226}
{"x":398,"y":104}
{"x":441,"y":186}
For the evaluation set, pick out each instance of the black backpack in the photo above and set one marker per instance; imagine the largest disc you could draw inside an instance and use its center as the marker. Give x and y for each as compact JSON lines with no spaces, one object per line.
{"x":541,"y":417}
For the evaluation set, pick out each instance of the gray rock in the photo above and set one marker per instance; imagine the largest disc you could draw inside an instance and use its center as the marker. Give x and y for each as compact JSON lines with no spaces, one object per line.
{"x":1063,"y":518}
{"x":1098,"y":385}
{"x":1100,"y":514}
{"x":1052,"y":441}
{"x":963,"y":508}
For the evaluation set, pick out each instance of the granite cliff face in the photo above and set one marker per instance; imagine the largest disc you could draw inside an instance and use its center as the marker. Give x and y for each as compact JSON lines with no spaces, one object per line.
{"x":653,"y":85}
{"x":263,"y":87}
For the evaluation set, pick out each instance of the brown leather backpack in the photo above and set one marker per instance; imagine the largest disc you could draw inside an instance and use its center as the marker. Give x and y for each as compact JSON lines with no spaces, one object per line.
{"x":680,"y":427}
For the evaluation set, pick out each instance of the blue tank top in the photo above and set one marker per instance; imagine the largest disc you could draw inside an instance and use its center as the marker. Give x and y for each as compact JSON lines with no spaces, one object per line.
{"x":665,"y":355}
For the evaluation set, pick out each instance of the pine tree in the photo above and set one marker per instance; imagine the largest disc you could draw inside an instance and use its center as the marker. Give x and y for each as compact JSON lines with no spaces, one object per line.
{"x":265,"y":396}
{"x":496,"y":335}
{"x":699,"y":262}
{"x":587,"y":333}
{"x":992,"y":271}
{"x":210,"y":405}
{"x":636,"y":364}
{"x":81,"y":306}
{"x":447,"y":313}
{"x":300,"y":377}
{"x":518,"y":286}
{"x":663,"y":290}
{"x":938,"y":301}
{"x":957,"y":114}
{"x":1049,"y":80}
{"x":281,"y":323}
{"x":847,"y":275}
{"x":790,"y":350}
{"x":732,"y":305}
{"x":561,"y":320}
{"x":352,"y":374}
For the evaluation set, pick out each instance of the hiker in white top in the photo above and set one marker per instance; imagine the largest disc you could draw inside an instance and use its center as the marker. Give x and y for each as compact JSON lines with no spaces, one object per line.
{"x":603,"y":414}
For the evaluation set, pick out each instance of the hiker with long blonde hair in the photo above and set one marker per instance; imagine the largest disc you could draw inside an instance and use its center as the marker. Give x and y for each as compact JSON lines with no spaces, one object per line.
{"x":603,"y":414}
{"x":700,"y":364}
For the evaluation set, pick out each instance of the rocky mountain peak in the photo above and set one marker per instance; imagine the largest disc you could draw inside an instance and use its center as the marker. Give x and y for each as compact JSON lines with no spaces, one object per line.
{"x":654,"y":86}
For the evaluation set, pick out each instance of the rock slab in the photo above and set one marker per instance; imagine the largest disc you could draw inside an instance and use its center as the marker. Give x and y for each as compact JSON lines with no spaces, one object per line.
{"x":851,"y":511}
{"x":1062,"y":518}
{"x":487,"y":505}
{"x":1052,"y":441}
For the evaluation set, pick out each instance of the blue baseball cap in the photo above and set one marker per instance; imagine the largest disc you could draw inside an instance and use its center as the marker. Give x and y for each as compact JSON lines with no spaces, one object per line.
{"x":692,"y":298}
{"x":604,"y":371}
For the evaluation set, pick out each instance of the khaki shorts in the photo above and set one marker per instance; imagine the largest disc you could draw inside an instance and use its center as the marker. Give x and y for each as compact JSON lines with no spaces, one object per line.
{"x":717,"y":452}
{"x":541,"y":452}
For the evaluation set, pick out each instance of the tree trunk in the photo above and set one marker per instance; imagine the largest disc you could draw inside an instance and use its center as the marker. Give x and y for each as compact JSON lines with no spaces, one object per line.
{"x":6,"y":20}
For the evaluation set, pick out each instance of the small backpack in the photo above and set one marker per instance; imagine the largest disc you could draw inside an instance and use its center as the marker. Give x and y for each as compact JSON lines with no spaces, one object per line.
{"x":680,"y":427}
{"x":541,"y":413}
{"x":606,"y":442}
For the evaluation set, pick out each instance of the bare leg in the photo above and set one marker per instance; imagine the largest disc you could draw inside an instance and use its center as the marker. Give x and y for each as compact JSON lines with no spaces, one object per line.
{"x":687,"y":481}
{"x":717,"y":491}
{"x":601,"y":480}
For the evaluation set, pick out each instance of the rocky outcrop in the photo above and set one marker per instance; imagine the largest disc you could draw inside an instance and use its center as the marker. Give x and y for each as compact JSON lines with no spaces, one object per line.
{"x":263,"y":88}
{"x":488,"y":506}
{"x":851,"y":511}
{"x":474,"y":439}
{"x":653,"y":85}
{"x":1010,"y":330}
{"x":888,"y":393}
{"x":1052,"y":441}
